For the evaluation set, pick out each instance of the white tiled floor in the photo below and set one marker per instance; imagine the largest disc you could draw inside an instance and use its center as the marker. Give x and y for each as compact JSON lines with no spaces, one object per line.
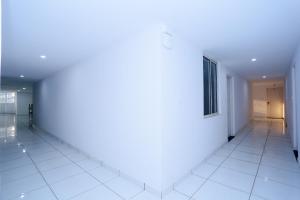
{"x":258,"y":164}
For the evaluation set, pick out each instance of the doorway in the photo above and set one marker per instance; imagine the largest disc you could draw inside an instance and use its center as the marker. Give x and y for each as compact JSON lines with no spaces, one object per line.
{"x":229,"y":108}
{"x":275,"y":103}
{"x":294,"y":108}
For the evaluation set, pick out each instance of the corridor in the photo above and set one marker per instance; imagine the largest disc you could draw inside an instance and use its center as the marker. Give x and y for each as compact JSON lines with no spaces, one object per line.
{"x":257,"y":164}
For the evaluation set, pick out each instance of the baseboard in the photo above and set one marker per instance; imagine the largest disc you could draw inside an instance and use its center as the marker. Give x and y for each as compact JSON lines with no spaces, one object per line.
{"x":159,"y":193}
{"x":133,"y":180}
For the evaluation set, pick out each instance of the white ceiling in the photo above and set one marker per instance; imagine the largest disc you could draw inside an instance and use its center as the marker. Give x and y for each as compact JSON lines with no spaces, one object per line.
{"x":68,"y":31}
{"x":268,"y":83}
{"x":19,"y":85}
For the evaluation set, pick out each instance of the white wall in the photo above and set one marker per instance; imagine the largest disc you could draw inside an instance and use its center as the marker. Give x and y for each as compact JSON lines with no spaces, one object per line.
{"x":109,"y":106}
{"x":138,"y":106}
{"x":242,"y":102}
{"x":297,"y":95}
{"x":290,"y":110}
{"x":189,"y":137}
{"x":0,"y":40}
{"x":293,"y":98}
{"x":23,"y":101}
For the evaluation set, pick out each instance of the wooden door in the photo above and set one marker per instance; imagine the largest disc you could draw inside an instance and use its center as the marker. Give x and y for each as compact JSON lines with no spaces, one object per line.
{"x":275,"y":103}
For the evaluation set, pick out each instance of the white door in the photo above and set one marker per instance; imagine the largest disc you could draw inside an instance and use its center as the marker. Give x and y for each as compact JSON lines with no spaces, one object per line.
{"x":229,"y":105}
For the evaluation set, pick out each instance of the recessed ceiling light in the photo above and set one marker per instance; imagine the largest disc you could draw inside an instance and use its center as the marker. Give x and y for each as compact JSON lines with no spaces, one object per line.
{"x":22,"y":196}
{"x":264,"y":76}
{"x":24,"y":88}
{"x":43,"y":56}
{"x":22,"y":76}
{"x":19,"y":90}
{"x":253,"y":59}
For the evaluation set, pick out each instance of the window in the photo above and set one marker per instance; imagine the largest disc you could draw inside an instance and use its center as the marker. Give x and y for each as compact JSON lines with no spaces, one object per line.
{"x":210,"y":83}
{"x":8,"y":100}
{"x":7,"y":97}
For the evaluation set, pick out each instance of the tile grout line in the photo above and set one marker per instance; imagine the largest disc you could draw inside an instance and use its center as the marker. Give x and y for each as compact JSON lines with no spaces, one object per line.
{"x":205,"y":179}
{"x":268,"y":133}
{"x":102,"y":183}
{"x":39,"y":171}
{"x":218,"y":167}
{"x":267,"y":138}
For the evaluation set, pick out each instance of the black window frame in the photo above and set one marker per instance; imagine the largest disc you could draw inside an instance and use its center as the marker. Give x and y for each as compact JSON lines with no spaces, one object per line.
{"x":210,"y":87}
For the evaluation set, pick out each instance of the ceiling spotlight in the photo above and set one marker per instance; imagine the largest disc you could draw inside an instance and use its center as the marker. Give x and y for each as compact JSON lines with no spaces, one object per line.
{"x":24,"y":88}
{"x":253,"y":59}
{"x":24,"y":150}
{"x":19,"y":90}
{"x":43,"y":56}
{"x":22,"y":196}
{"x":264,"y":76}
{"x":22,"y":76}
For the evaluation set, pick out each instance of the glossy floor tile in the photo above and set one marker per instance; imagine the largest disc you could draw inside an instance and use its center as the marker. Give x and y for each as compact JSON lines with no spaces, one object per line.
{"x":146,"y":196}
{"x":205,"y":170}
{"x":241,"y":166}
{"x":258,"y":164}
{"x":124,"y":188}
{"x":175,"y":196}
{"x":99,"y":192}
{"x":189,"y":185}
{"x":102,"y":174}
{"x":61,"y":173}
{"x":213,"y":191}
{"x":22,"y":186}
{"x":89,"y":164}
{"x":38,"y":194}
{"x":268,"y":189}
{"x":72,"y":186}
{"x":234,"y":179}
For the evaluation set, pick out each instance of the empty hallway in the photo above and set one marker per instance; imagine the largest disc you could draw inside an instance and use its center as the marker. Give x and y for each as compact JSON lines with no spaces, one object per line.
{"x":149,"y":100}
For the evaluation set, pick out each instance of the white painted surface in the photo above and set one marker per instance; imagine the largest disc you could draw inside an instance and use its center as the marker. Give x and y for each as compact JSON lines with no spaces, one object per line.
{"x":291,"y":106}
{"x":138,"y":106}
{"x":241,"y":103}
{"x":293,"y":94}
{"x":227,"y":30}
{"x":109,"y":106}
{"x":23,"y":101}
{"x":15,"y":84}
{"x":230,"y":110}
{"x":189,"y":137}
{"x":0,"y":41}
{"x":297,"y":92}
